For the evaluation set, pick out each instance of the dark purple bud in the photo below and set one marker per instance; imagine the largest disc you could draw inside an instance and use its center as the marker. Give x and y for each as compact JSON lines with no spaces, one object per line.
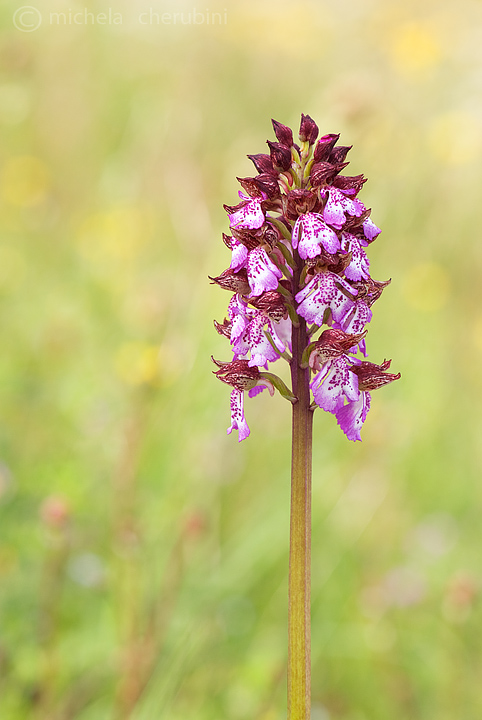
{"x":271,"y":234}
{"x":263,"y":163}
{"x":347,"y":182}
{"x":272,"y":303}
{"x":324,"y":172}
{"x":338,"y":263}
{"x":339,"y":154}
{"x":250,"y":186}
{"x":370,"y":290}
{"x":280,"y":155}
{"x":237,"y":373}
{"x":224,"y":328}
{"x":298,"y":202}
{"x":332,"y":344}
{"x":249,"y":238}
{"x":324,"y":146}
{"x":283,"y":133}
{"x":372,"y":377}
{"x":236,"y":282}
{"x":308,"y":129}
{"x":268,"y":184}
{"x":228,"y":241}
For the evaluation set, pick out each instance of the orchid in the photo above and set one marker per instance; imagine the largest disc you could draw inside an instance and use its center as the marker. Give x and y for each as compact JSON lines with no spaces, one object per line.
{"x":301,"y":292}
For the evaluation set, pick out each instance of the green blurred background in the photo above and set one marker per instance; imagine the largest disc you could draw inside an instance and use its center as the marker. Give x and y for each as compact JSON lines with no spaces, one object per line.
{"x":143,"y":553}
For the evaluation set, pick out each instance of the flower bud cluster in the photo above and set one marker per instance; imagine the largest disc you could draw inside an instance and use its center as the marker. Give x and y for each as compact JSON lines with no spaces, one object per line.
{"x":298,"y":256}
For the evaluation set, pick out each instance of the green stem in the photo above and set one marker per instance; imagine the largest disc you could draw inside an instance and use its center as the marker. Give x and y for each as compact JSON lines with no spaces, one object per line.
{"x":299,"y":626}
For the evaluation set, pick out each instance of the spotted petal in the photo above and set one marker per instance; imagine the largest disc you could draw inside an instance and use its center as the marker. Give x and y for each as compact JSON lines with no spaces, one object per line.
{"x":333,"y":383}
{"x":338,"y":204}
{"x":309,"y":232}
{"x":358,"y":316}
{"x":262,"y":272}
{"x":321,"y":293}
{"x":261,"y":349}
{"x":352,"y":416}
{"x":238,"y":421}
{"x":358,"y":268}
{"x":239,"y":255}
{"x":249,"y":216}
{"x":370,"y":229}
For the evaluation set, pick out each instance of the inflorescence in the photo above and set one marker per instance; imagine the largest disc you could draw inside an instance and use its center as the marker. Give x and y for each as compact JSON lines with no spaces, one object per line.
{"x":298,"y":240}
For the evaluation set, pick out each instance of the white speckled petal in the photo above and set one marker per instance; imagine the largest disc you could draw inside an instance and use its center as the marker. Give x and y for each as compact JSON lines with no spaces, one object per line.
{"x":239,"y":255}
{"x":250,"y":216}
{"x":352,"y":416}
{"x":313,"y":233}
{"x":262,"y":272}
{"x":358,"y":268}
{"x":333,"y":383}
{"x":238,"y":421}
{"x":261,"y":349}
{"x":370,"y":229}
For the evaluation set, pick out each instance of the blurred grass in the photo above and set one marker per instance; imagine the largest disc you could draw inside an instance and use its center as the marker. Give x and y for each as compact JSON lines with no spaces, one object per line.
{"x":143,"y":554}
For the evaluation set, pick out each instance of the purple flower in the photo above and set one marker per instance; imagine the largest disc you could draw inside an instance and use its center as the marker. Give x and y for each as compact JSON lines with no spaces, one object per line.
{"x":262,"y":272}
{"x":241,"y":377}
{"x":298,"y":257}
{"x":358,"y":315}
{"x":358,"y":268}
{"x":309,"y":232}
{"x":334,"y":383}
{"x":239,"y":255}
{"x":370,"y":229}
{"x":238,"y":421}
{"x":338,"y":204}
{"x":262,"y":351}
{"x":323,"y":292}
{"x":370,"y":377}
{"x":249,"y":215}
{"x":352,"y":416}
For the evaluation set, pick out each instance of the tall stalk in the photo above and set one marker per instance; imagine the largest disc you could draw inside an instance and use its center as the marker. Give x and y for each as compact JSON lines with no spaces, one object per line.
{"x":299,"y":613}
{"x":298,"y":256}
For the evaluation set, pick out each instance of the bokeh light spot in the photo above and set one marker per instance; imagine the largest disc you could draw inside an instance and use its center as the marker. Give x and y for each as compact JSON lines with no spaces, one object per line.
{"x":115,"y":235}
{"x":427,"y":287}
{"x":138,"y":363}
{"x":14,"y":104}
{"x":25,"y":180}
{"x":455,"y":138}
{"x":415,"y":49}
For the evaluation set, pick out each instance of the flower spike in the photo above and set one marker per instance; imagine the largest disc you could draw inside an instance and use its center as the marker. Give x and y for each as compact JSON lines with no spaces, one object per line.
{"x":298,"y":240}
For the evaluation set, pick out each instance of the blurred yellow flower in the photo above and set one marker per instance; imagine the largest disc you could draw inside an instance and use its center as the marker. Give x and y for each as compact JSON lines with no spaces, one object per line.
{"x":25,"y":180}
{"x":426,"y":287}
{"x":282,"y":27}
{"x":138,"y":363}
{"x":415,"y":49}
{"x":115,"y":235}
